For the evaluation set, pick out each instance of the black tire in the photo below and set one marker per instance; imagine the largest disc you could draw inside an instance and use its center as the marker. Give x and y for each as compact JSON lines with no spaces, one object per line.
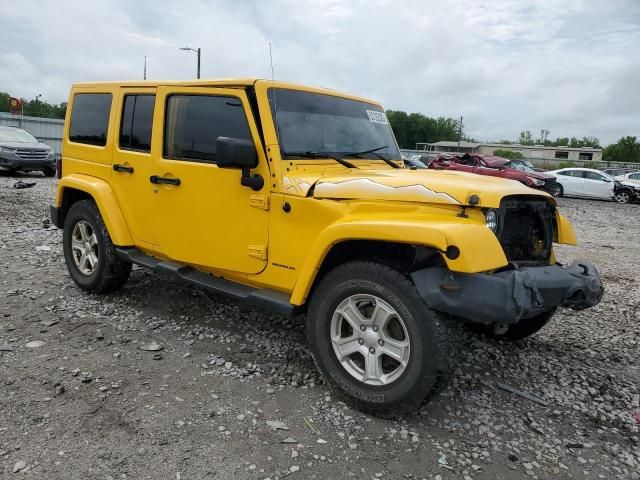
{"x":556,"y":190}
{"x":111,"y":272}
{"x":49,"y":171}
{"x":523,"y":329}
{"x":434,"y":340}
{"x":623,"y":196}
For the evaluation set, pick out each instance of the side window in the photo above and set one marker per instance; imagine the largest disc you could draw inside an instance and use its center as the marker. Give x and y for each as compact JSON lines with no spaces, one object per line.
{"x":594,"y":176}
{"x":137,"y":120}
{"x":193,"y":124}
{"x":90,"y":118}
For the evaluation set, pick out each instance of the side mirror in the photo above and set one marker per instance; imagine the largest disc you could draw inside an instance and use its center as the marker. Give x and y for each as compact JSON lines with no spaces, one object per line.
{"x":242,"y":154}
{"x":235,"y":153}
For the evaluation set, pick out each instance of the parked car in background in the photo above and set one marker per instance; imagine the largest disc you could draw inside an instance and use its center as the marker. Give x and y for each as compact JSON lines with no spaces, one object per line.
{"x":617,"y":172}
{"x":416,"y":162}
{"x":495,"y":167}
{"x":19,"y":150}
{"x":590,"y":183}
{"x":632,"y":177}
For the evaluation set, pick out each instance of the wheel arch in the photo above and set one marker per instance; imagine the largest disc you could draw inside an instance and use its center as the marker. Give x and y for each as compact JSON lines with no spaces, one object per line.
{"x":76,"y":187}
{"x":409,"y":242}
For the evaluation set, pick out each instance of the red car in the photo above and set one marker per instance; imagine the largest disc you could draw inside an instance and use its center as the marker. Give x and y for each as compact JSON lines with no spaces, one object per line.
{"x":495,"y":167}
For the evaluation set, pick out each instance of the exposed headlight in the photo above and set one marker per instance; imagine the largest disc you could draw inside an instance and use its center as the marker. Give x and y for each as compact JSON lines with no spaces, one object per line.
{"x":537,"y":182}
{"x":7,"y":149}
{"x":491,"y":220}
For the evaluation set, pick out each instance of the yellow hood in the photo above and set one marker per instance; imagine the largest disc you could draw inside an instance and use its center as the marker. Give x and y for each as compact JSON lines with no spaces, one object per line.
{"x":404,"y":185}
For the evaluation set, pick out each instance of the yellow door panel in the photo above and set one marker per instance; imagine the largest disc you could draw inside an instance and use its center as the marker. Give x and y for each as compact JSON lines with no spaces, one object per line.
{"x":209,"y":219}
{"x":132,"y":161}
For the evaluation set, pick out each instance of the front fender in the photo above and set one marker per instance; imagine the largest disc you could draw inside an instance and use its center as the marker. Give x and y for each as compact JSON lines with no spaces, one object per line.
{"x":479,"y":248}
{"x":103,"y":195}
{"x":566,"y":235}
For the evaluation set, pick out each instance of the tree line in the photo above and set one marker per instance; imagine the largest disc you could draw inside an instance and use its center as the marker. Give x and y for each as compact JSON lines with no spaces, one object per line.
{"x":35,"y":107}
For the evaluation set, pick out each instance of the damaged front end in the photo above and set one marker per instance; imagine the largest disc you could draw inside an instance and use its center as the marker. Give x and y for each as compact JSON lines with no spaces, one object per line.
{"x":510,"y":295}
{"x":530,"y":285}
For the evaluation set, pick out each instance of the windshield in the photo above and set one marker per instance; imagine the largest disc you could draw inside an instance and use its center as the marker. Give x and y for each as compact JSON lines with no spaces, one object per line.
{"x":323,"y":124}
{"x":16,"y":135}
{"x":519,"y":166}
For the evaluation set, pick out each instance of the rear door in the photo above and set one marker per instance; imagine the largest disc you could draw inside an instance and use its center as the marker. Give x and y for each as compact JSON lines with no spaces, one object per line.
{"x":596,"y":185}
{"x":132,"y":162}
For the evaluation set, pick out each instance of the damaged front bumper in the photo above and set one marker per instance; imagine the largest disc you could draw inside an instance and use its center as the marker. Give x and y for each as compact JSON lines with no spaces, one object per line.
{"x":512,"y":295}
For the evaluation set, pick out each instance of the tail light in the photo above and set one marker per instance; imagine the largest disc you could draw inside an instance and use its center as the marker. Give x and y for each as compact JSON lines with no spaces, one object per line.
{"x":59,"y":167}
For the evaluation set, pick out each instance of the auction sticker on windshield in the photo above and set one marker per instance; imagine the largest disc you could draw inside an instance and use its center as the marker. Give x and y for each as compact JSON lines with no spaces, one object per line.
{"x":377,"y":117}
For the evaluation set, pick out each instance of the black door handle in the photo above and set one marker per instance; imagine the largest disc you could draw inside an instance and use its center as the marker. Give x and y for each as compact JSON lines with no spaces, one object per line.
{"x":164,"y":180}
{"x":122,"y":168}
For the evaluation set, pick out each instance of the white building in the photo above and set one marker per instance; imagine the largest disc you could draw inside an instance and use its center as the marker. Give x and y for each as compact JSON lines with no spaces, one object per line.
{"x":533,"y":152}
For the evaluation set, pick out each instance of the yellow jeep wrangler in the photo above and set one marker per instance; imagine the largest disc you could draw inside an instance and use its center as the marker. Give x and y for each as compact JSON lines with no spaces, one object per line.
{"x":294,"y":199}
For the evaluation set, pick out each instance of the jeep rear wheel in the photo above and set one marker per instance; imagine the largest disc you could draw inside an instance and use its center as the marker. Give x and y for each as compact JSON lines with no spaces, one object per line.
{"x":88,"y":251}
{"x":375,"y":340}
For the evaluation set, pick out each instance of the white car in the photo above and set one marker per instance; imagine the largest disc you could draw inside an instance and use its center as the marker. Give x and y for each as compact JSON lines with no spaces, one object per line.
{"x":585,"y":182}
{"x":632,"y":177}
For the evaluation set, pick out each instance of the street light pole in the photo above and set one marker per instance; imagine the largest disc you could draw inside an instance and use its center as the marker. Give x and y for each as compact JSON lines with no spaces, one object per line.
{"x":197,"y":50}
{"x":198,"y":63}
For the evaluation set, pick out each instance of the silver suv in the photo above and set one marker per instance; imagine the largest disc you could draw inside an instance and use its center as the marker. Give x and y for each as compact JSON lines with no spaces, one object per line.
{"x":19,"y":150}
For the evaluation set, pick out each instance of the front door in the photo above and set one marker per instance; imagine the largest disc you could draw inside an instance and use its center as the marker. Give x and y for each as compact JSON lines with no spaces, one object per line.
{"x":132,"y":162}
{"x":205,"y":217}
{"x":596,"y":185}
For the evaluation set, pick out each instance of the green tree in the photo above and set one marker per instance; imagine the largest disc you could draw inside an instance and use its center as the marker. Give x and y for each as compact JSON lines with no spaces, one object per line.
{"x":418,"y":128}
{"x":627,"y":149}
{"x":36,"y":107}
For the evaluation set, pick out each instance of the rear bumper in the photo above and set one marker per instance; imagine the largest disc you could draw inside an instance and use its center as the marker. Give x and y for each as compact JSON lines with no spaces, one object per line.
{"x":509,"y":296}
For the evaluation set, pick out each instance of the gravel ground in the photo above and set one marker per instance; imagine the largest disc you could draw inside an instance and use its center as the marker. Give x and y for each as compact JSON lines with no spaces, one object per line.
{"x":233,"y":393}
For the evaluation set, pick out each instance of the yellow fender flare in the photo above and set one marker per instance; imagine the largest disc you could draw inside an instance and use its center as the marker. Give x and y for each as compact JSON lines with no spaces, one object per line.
{"x":104,"y":197}
{"x":479,"y":248}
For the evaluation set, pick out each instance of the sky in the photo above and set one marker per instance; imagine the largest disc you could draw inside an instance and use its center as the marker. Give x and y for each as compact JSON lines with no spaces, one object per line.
{"x":569,"y":66}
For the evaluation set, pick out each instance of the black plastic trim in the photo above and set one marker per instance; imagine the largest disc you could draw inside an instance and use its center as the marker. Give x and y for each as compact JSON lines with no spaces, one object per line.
{"x":512,"y":295}
{"x":271,"y":300}
{"x":56,"y":216}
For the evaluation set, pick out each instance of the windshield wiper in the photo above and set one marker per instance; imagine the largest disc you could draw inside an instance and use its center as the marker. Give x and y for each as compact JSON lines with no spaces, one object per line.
{"x":375,"y":152}
{"x":311,"y":154}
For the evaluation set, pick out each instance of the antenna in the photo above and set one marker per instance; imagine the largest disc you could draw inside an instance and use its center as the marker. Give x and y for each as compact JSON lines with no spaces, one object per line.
{"x":275,"y":95}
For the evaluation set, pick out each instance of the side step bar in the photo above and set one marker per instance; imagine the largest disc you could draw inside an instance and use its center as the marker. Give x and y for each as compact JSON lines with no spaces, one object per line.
{"x":276,"y":302}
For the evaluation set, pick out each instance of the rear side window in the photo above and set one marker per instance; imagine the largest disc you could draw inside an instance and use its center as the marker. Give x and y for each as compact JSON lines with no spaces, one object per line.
{"x":137,"y":120}
{"x":90,"y":118}
{"x":193,"y":124}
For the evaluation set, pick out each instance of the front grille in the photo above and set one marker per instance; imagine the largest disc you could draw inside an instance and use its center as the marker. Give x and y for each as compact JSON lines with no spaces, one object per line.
{"x":526,"y":229}
{"x":32,"y":154}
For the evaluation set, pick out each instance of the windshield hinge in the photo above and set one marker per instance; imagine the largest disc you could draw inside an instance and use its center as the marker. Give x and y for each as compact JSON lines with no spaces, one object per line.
{"x":258,"y":251}
{"x":259,"y":201}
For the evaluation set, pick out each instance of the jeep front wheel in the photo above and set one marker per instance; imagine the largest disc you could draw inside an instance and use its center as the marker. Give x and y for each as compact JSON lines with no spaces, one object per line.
{"x":375,"y":340}
{"x":88,"y":251}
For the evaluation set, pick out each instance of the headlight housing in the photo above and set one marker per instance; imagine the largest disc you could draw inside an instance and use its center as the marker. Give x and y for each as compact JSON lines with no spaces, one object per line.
{"x":7,"y":150}
{"x":491,"y":220}
{"x":537,"y":182}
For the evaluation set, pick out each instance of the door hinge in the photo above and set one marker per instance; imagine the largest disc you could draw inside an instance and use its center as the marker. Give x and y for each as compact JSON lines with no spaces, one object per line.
{"x":259,"y":201}
{"x":258,"y":251}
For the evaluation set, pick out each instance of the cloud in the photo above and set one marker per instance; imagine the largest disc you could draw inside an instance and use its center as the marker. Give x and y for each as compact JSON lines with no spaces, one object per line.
{"x":570,"y":66}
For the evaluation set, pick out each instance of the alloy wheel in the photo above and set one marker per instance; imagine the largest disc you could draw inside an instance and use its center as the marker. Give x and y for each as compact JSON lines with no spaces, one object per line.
{"x":84,"y":247}
{"x":370,"y":339}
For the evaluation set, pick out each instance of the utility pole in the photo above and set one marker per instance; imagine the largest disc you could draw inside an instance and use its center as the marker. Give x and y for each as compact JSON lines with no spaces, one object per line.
{"x":145,"y":68}
{"x":459,"y":132}
{"x":198,"y":63}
